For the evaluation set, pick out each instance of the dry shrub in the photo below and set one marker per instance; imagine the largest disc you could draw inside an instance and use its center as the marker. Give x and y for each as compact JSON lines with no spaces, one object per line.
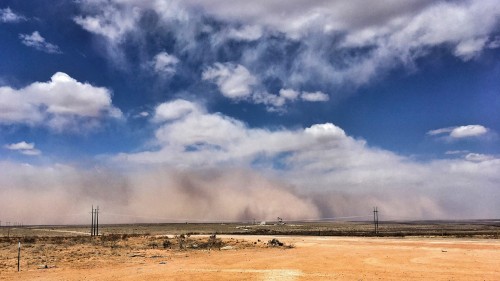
{"x":275,"y":243}
{"x":29,"y":239}
{"x":111,"y":237}
{"x":213,"y":242}
{"x":167,"y":244}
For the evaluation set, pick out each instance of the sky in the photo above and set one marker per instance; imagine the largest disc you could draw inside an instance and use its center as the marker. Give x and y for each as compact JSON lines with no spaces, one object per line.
{"x":216,"y":110}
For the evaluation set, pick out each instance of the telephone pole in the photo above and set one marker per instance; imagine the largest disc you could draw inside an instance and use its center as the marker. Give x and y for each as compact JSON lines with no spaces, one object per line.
{"x":94,"y":228}
{"x":375,"y":219}
{"x":92,"y":225}
{"x":97,"y":221}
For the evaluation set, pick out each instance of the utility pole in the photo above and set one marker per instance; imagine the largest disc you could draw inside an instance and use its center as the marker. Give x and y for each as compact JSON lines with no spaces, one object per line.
{"x":376,"y":213}
{"x":94,"y":228}
{"x":375,"y":219}
{"x":92,"y":225}
{"x":97,"y":221}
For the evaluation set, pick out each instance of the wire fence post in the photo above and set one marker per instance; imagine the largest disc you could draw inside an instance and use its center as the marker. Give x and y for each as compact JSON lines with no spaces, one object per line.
{"x":19,"y":257}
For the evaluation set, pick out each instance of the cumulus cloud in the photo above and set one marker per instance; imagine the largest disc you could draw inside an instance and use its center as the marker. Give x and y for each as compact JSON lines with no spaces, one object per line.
{"x":164,"y":64}
{"x":174,"y":110}
{"x":8,"y":16}
{"x":460,"y":132}
{"x":275,"y":102}
{"x":24,"y":148}
{"x":468,"y":131}
{"x":234,"y":80}
{"x":237,"y":83}
{"x":289,"y":94}
{"x":314,"y":97}
{"x":215,"y":138}
{"x":35,"y":40}
{"x":61,"y":103}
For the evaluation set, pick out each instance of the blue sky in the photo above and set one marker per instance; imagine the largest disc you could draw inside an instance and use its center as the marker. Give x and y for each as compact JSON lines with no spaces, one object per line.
{"x":234,"y":110}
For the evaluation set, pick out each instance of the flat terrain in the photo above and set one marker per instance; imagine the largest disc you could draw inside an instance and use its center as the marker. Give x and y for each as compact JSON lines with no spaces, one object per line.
{"x":63,"y":253}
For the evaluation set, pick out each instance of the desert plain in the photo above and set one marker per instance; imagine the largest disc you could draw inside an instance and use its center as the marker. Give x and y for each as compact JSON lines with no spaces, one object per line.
{"x":192,"y":252}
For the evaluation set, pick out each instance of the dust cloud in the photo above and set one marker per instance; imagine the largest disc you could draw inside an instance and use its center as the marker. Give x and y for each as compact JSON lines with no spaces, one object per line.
{"x":63,"y":194}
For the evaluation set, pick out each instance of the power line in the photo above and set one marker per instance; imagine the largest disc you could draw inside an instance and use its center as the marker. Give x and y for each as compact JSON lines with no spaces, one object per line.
{"x":224,"y":221}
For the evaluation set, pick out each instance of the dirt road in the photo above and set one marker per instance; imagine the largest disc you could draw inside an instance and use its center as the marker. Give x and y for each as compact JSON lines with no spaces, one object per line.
{"x":310,"y":258}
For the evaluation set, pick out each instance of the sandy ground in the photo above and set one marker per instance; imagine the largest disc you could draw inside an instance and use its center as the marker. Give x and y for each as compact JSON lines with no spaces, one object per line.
{"x":311,"y":258}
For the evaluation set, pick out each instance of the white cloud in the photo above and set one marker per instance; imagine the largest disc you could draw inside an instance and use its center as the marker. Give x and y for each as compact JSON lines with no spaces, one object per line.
{"x":468,"y":131}
{"x":289,"y":94}
{"x":174,"y":110}
{"x":477,"y":157}
{"x":395,"y":24}
{"x":112,"y":22}
{"x":339,"y":42}
{"x":314,"y":96}
{"x":61,"y":103}
{"x":246,"y":33}
{"x":20,"y":146}
{"x":163,"y":63}
{"x":192,"y":128}
{"x":35,"y":40}
{"x":460,"y":132}
{"x":470,"y":48}
{"x":326,"y":131}
{"x":8,"y":16}
{"x":298,"y":17}
{"x":234,"y":80}
{"x":275,"y":102}
{"x":24,"y":148}
{"x":456,"y":152}
{"x":440,"y":131}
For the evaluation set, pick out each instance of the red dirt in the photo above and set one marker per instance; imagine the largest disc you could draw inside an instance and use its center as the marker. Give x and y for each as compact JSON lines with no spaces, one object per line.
{"x":311,"y":258}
